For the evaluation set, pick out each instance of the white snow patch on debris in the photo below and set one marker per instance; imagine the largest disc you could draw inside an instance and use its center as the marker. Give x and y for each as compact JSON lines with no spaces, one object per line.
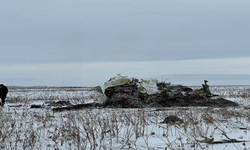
{"x":145,"y":86}
{"x":148,"y":86}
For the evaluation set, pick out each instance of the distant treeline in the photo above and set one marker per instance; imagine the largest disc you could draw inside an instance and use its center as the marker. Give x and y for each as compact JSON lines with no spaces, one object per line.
{"x":43,"y":87}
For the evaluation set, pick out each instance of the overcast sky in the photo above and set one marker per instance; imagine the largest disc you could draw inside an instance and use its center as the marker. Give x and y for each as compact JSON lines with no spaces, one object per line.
{"x":84,"y":42}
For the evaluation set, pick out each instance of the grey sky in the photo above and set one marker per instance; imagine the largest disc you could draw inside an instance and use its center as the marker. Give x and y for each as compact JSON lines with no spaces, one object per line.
{"x":94,"y":31}
{"x":119,"y":30}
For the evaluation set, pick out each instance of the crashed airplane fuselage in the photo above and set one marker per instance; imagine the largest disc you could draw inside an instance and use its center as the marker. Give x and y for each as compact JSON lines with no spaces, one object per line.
{"x":122,"y":91}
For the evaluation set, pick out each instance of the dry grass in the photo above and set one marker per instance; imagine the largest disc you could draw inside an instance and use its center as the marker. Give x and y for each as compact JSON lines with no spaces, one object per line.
{"x":23,"y":128}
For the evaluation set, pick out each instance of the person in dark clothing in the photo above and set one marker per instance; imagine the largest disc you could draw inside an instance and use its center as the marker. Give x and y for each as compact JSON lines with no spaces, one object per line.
{"x":206,"y":88}
{"x":3,"y":94}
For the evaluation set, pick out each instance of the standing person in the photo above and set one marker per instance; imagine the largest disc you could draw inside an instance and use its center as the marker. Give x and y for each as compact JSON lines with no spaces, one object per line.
{"x":3,"y":94}
{"x":206,"y":88}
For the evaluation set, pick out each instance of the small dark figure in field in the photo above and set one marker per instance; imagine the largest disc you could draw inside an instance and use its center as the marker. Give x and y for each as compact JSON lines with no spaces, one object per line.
{"x":172,"y":120}
{"x":3,"y":94}
{"x":206,"y":88}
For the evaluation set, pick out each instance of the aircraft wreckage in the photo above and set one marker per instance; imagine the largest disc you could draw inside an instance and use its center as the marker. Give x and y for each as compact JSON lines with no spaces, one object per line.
{"x":125,"y":92}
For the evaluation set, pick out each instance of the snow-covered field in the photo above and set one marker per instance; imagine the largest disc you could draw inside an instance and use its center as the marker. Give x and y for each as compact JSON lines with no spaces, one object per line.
{"x":113,"y":129}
